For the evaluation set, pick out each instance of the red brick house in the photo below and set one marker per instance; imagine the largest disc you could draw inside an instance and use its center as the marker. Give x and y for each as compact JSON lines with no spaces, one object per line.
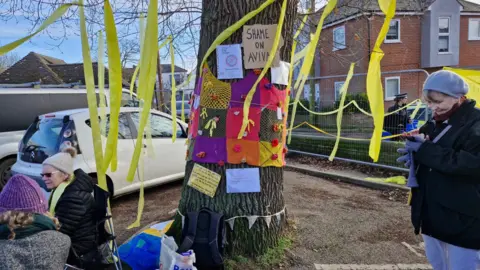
{"x":424,"y":35}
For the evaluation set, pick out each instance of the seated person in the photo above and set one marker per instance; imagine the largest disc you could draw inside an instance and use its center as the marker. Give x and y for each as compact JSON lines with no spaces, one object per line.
{"x":29,"y":236}
{"x":73,"y":204}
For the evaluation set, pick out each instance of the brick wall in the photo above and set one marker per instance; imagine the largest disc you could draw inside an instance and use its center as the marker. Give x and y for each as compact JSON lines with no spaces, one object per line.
{"x":469,"y":49}
{"x":398,"y":56}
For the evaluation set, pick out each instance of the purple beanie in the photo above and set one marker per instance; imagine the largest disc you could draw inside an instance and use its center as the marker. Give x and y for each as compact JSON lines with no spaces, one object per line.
{"x":23,"y":194}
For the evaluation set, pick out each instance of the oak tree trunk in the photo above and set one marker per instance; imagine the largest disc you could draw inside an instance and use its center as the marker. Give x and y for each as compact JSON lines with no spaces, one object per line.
{"x":217,"y":15}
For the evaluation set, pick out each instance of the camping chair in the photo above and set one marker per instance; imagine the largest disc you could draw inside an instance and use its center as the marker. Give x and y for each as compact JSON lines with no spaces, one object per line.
{"x":106,"y":234}
{"x":107,"y":246}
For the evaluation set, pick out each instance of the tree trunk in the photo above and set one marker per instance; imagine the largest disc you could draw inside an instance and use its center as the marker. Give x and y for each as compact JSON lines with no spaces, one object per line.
{"x":217,"y":15}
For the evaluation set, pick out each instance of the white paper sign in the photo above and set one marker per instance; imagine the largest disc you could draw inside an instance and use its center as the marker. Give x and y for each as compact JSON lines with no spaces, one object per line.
{"x":280,"y":73}
{"x":229,"y":61}
{"x":243,"y":180}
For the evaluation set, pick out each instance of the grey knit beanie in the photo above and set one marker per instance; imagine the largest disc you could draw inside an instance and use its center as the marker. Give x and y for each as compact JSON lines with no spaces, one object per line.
{"x":63,"y":161}
{"x":446,"y":82}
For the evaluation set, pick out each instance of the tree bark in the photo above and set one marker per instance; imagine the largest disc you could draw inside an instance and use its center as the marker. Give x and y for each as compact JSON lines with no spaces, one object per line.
{"x":217,"y":15}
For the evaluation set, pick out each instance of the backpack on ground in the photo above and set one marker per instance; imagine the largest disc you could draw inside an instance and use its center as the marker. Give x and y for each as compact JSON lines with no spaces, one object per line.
{"x":204,"y":233}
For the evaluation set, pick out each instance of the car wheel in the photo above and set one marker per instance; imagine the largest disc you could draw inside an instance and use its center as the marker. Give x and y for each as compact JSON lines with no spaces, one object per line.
{"x":6,"y":170}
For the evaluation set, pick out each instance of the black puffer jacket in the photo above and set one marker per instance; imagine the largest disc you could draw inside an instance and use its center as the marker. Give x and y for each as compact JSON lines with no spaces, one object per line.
{"x":446,"y":205}
{"x":75,"y":211}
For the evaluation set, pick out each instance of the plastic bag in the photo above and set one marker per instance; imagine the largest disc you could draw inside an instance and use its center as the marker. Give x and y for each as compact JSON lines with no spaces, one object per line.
{"x":171,"y":260}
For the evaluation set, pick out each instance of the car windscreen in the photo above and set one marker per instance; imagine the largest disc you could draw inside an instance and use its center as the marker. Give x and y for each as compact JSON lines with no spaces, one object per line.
{"x":41,"y":140}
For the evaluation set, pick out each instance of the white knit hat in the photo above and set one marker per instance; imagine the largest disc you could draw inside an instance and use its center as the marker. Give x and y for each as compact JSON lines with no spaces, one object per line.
{"x":63,"y":161}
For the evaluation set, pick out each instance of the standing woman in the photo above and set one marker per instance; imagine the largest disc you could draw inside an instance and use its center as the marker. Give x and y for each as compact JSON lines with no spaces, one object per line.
{"x":73,"y":204}
{"x":445,"y":177}
{"x":29,"y":237}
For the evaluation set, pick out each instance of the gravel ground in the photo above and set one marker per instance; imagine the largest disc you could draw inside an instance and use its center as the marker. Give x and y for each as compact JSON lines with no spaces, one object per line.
{"x":336,"y":223}
{"x":344,"y":224}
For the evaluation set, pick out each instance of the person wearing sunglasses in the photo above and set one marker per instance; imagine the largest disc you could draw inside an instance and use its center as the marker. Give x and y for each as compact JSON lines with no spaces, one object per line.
{"x":444,"y":178}
{"x":73,"y":204}
{"x":29,"y":234}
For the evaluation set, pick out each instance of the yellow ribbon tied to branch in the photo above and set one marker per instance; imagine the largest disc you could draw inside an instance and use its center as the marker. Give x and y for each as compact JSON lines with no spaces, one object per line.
{"x":374,"y":81}
{"x":343,"y":92}
{"x":115,"y":85}
{"x":308,"y":61}
{"x":57,"y":14}
{"x":146,"y":87}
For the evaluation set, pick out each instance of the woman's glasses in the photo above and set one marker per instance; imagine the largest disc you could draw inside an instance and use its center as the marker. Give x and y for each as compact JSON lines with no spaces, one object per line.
{"x":48,"y":175}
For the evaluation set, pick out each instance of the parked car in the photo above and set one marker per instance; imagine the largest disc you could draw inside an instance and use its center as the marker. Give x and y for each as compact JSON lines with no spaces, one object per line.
{"x":50,"y":132}
{"x":179,"y":109}
{"x":20,"y":106}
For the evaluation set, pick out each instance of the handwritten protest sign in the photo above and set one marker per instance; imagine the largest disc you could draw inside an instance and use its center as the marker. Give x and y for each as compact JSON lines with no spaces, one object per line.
{"x":257,"y":44}
{"x":204,"y":180}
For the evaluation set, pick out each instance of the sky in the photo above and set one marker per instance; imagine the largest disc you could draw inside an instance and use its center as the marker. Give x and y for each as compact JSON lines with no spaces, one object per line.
{"x":70,"y":49}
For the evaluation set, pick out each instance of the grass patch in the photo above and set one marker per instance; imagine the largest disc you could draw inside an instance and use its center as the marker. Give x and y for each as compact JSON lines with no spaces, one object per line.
{"x":270,"y":260}
{"x":275,"y":256}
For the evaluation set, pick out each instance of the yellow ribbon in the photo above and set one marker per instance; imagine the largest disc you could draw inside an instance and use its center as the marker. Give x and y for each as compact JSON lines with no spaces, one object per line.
{"x":101,"y":81}
{"x":211,"y":124}
{"x":183,"y":107}
{"x":146,"y":87}
{"x":271,"y":56}
{"x":115,"y":85}
{"x":343,"y":138}
{"x":292,"y":60}
{"x":204,"y":113}
{"x":343,"y":92}
{"x":57,"y":14}
{"x":142,"y":37}
{"x":92,"y":100}
{"x":308,"y":60}
{"x":174,"y":94}
{"x":472,"y":78}
{"x":250,"y":123}
{"x":354,"y":103}
{"x":374,"y":82}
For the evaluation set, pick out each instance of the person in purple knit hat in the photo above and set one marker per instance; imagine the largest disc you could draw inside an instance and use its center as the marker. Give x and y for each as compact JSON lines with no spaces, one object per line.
{"x":29,"y":236}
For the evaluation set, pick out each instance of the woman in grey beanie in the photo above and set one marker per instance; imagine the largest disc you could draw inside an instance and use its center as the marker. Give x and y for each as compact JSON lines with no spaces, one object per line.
{"x":73,"y":204}
{"x":445,"y":178}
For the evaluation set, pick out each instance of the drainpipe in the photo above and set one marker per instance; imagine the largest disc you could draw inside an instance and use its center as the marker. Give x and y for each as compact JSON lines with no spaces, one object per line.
{"x":369,"y":36}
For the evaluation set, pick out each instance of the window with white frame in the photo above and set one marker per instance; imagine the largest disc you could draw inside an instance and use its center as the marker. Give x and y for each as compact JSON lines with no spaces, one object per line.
{"x":338,"y":87}
{"x":392,"y":87}
{"x":474,"y":29}
{"x":393,"y":34}
{"x":443,"y":34}
{"x":339,"y":41}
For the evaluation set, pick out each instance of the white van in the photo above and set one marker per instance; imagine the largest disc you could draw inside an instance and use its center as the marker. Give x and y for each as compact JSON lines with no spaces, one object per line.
{"x":21,"y":106}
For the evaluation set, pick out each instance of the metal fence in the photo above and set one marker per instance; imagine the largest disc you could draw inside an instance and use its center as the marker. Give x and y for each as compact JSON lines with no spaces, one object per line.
{"x":357,"y":126}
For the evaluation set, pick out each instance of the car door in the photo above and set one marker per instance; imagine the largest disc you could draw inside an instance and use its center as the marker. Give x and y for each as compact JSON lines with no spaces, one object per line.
{"x":168,"y":161}
{"x":125,"y":148}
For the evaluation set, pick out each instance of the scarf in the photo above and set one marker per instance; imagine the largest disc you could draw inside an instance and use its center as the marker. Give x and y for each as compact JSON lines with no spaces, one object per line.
{"x":439,"y":119}
{"x":56,"y":194}
{"x":40,"y":223}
